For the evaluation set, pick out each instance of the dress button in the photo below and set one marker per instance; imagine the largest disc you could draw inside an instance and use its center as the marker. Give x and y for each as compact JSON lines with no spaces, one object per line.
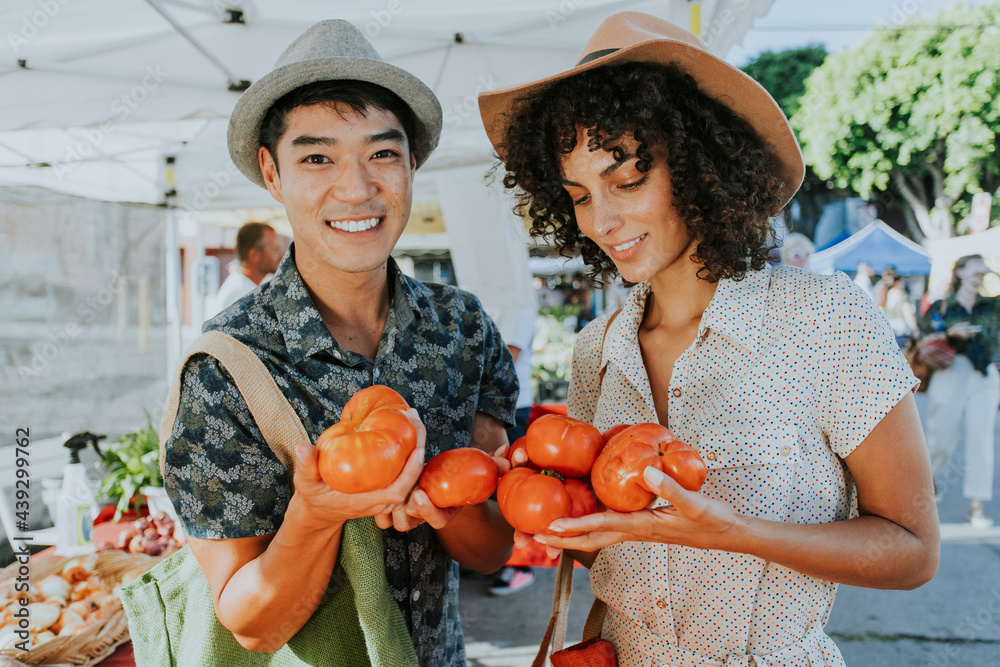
{"x":710,"y":456}
{"x":785,"y":451}
{"x":676,"y":393}
{"x":662,"y":604}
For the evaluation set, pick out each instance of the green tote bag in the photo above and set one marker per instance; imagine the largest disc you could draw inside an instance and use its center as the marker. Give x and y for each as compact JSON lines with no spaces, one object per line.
{"x":171,"y":618}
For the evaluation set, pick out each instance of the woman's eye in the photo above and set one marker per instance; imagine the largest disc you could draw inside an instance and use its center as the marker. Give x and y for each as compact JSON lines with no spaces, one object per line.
{"x":316,"y":159}
{"x":633,"y":186}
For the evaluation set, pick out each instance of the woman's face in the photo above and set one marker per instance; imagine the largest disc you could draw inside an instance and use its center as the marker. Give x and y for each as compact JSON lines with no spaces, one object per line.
{"x":628,"y":213}
{"x":971,"y":273}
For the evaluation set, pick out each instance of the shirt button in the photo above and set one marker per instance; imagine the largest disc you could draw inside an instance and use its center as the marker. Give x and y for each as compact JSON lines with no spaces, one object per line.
{"x":785,"y":451}
{"x":676,"y":393}
{"x":375,"y":374}
{"x":711,"y":456}
{"x":337,"y":354}
{"x":662,"y":604}
{"x":416,"y":595}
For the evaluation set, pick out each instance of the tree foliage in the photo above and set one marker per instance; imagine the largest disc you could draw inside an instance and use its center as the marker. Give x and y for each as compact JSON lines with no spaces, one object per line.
{"x":914,"y":111}
{"x":784,"y":73}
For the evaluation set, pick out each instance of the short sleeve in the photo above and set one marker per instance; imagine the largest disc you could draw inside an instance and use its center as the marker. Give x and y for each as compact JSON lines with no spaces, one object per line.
{"x":219,"y":472}
{"x":585,"y":380}
{"x":498,"y":387}
{"x":862,"y":372}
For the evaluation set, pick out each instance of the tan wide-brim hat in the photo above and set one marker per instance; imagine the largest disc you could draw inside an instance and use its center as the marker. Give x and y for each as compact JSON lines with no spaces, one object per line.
{"x":636,"y":37}
{"x":331,"y":50}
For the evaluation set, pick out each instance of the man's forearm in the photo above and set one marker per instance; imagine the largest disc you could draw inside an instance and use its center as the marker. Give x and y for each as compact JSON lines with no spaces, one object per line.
{"x":270,"y":598}
{"x":478,"y":537}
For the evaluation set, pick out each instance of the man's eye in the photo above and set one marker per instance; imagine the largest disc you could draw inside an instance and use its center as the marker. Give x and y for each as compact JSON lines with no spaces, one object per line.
{"x":386,"y":153}
{"x":317,"y":159}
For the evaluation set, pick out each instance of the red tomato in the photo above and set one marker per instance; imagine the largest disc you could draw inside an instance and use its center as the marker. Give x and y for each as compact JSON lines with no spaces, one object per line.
{"x":612,"y":432}
{"x":531,"y":500}
{"x":367,"y":449}
{"x":457,"y":477}
{"x":562,"y":444}
{"x":617,"y":476}
{"x":369,"y":399}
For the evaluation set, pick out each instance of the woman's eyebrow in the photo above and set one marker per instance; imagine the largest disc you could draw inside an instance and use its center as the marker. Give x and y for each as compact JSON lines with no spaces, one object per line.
{"x":607,"y":170}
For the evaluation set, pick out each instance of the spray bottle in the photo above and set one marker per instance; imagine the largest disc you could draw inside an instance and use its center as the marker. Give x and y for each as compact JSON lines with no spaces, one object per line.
{"x":77,"y":507}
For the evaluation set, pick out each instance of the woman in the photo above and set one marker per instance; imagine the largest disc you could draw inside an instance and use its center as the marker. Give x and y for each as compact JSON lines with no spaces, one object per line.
{"x":662,"y":164}
{"x":970,"y":387}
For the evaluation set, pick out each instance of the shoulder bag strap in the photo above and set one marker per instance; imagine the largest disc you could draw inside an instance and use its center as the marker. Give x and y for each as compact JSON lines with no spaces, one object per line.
{"x":281,"y":427}
{"x":555,"y":632}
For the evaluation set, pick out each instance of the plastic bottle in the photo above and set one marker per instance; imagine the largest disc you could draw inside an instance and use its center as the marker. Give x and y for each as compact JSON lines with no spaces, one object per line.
{"x":76,"y":506}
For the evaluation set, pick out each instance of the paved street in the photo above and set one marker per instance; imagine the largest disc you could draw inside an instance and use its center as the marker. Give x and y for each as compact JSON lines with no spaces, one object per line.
{"x":954,"y":620}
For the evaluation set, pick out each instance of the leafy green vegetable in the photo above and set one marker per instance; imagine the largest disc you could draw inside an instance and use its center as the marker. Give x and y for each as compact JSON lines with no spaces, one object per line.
{"x":130,"y":463}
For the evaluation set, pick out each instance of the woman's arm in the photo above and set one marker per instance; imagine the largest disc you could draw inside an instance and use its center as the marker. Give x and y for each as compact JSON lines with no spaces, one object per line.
{"x":894,"y":543}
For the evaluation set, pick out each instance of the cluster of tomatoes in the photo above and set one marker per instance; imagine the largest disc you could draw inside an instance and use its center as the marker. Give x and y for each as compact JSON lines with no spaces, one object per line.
{"x":562,"y":467}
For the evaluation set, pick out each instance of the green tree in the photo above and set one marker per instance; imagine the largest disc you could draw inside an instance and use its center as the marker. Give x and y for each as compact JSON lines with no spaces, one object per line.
{"x":912,"y":113}
{"x":783,"y":74}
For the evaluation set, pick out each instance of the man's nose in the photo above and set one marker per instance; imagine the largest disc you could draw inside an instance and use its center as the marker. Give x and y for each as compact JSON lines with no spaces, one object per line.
{"x":354,"y":184}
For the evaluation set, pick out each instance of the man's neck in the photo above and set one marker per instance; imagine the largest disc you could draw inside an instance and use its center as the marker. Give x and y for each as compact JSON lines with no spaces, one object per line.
{"x":253,"y":274}
{"x":354,"y":306}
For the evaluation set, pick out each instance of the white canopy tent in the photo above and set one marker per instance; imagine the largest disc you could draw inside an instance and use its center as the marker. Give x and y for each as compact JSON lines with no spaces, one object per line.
{"x":101,"y":97}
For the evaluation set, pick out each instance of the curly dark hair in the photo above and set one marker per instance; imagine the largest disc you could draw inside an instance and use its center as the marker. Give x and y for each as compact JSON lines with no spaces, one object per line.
{"x":723,"y":188}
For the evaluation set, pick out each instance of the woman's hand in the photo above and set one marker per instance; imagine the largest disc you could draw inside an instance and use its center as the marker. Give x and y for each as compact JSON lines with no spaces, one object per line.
{"x":692,"y":519}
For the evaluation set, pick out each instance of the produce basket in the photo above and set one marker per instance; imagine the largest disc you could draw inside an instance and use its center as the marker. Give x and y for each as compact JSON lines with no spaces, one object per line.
{"x":100,"y":638}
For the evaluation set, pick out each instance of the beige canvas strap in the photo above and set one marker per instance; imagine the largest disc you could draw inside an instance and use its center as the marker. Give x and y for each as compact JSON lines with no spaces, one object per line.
{"x":275,"y":418}
{"x":555,"y":632}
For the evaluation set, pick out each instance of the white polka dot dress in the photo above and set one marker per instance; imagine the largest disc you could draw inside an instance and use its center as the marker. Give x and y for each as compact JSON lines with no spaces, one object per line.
{"x":789,"y":372}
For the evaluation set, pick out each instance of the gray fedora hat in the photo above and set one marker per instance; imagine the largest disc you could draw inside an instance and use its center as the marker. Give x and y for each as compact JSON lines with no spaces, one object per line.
{"x":331,"y":50}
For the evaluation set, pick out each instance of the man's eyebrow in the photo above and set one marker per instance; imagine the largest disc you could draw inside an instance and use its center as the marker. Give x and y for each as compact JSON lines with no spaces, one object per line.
{"x":392,"y":135}
{"x":607,"y":170}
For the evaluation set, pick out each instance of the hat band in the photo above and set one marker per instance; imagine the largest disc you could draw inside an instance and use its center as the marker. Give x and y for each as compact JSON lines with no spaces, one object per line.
{"x":594,"y":55}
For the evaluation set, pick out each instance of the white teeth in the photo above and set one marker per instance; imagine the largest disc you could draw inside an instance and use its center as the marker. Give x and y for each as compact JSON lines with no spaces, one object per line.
{"x":626,"y":246}
{"x":354,"y":225}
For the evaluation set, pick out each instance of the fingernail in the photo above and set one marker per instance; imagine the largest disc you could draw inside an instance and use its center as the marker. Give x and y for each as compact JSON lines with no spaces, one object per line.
{"x":557,"y":529}
{"x":653,"y":475}
{"x":420,"y":456}
{"x":540,"y":539}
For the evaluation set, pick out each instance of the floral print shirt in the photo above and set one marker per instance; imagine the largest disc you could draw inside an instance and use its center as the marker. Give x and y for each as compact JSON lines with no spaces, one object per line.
{"x":439,"y":350}
{"x":788,"y":373}
{"x":981,"y":348}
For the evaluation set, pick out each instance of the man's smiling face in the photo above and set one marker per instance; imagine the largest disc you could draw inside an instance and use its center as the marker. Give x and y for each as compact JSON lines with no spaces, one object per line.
{"x":346,"y":181}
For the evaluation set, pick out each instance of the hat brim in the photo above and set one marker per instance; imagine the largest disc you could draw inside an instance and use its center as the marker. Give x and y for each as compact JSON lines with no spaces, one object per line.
{"x":243,"y":135}
{"x":716,"y":78}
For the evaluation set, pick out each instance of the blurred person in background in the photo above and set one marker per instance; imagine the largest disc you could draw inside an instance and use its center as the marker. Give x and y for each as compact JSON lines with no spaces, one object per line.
{"x":970,"y":387}
{"x":863,"y":279}
{"x":259,"y":252}
{"x":795,"y":250}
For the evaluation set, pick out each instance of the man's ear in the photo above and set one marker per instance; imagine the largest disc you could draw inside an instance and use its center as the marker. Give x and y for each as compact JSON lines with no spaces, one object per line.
{"x":413,"y":164}
{"x":269,"y":170}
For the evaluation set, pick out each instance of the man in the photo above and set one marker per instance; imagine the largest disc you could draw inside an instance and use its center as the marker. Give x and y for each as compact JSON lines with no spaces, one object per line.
{"x":336,"y":135}
{"x":863,"y":279}
{"x":258,"y":250}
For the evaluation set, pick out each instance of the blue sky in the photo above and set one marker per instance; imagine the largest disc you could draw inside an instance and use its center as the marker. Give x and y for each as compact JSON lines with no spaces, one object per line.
{"x":837,"y":24}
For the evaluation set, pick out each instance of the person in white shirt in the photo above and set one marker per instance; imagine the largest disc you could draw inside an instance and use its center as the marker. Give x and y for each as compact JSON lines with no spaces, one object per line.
{"x":259,"y":251}
{"x":863,"y":279}
{"x":662,"y":164}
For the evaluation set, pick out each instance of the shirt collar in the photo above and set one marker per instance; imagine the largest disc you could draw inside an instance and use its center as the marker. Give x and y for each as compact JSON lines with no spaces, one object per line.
{"x":301,"y":326}
{"x":737,"y":308}
{"x":735,"y":311}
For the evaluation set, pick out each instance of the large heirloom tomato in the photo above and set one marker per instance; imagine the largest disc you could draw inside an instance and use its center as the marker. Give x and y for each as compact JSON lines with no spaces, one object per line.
{"x":367,"y":449}
{"x":530,"y":500}
{"x":617,"y":476}
{"x":457,"y":477}
{"x":542,"y":489}
{"x":565,"y":445}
